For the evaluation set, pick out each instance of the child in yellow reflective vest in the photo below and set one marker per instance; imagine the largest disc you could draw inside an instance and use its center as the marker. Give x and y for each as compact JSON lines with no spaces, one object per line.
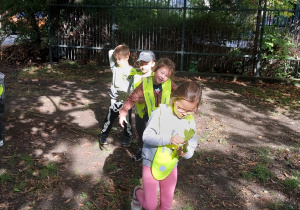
{"x":146,"y":62}
{"x":170,"y":134}
{"x":153,"y":90}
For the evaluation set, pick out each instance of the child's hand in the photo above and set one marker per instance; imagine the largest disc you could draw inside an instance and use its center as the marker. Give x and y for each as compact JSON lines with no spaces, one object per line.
{"x":176,"y":139}
{"x":180,"y":152}
{"x":122,"y":119}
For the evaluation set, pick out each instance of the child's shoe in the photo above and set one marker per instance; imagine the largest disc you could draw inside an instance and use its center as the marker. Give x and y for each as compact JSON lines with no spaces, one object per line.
{"x":126,"y":141}
{"x":138,"y":155}
{"x":103,"y":139}
{"x":135,"y":204}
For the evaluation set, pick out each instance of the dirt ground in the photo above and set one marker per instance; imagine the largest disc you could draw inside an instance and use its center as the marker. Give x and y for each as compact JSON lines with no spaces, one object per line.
{"x":59,"y":122}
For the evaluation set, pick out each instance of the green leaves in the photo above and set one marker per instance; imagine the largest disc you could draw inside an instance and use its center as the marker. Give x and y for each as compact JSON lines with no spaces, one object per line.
{"x":184,"y":147}
{"x":188,"y":134}
{"x":17,"y":189}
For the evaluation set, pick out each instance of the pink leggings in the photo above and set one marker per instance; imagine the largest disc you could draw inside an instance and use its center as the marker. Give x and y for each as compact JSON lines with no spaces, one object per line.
{"x":148,"y":195}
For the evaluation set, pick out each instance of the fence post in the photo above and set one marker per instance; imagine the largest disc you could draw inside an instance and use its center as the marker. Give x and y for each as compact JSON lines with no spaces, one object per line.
{"x":49,"y":34}
{"x":183,"y":36}
{"x":257,"y":29}
{"x":258,"y":66}
{"x":114,"y":24}
{"x":296,"y":23}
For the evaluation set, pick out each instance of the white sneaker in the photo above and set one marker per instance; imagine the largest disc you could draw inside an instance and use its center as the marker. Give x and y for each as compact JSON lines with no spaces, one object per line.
{"x":135,"y":204}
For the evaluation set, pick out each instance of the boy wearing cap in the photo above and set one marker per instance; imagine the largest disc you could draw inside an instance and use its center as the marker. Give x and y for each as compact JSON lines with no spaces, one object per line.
{"x":146,"y":62}
{"x":119,"y":90}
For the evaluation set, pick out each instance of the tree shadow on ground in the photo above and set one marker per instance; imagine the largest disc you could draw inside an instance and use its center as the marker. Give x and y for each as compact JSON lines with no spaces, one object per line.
{"x":60,"y":122}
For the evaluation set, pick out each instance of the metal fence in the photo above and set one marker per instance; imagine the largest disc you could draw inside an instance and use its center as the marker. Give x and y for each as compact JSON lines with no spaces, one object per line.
{"x":196,"y":37}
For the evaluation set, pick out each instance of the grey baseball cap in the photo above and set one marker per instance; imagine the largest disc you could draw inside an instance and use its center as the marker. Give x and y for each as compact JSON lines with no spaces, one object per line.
{"x":146,"y":55}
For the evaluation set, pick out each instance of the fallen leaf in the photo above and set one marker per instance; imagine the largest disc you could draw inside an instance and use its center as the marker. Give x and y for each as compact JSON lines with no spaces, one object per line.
{"x":252,"y":163}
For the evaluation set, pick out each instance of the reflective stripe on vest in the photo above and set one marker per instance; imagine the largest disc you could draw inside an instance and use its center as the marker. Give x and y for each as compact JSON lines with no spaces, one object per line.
{"x":149,"y":95}
{"x":140,"y":107}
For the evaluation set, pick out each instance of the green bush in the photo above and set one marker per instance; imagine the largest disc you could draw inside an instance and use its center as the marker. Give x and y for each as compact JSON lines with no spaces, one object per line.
{"x":276,"y":49}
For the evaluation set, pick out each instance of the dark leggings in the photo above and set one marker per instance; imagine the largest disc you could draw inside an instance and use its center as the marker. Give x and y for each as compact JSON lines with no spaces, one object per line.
{"x":140,"y":125}
{"x":1,"y":128}
{"x":110,"y":119}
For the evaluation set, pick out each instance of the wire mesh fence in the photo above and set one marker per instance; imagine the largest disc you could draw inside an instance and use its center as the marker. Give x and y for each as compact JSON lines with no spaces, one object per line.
{"x":197,"y":37}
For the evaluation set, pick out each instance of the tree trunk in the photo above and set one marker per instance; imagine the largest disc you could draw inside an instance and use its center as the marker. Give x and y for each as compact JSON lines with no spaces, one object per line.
{"x":35,"y":27}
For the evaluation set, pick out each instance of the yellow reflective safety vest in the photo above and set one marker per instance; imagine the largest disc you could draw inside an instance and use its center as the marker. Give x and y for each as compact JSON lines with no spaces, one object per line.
{"x":2,"y":85}
{"x":1,"y":89}
{"x":138,"y":77}
{"x":149,"y":95}
{"x":140,"y":107}
{"x":166,"y":157}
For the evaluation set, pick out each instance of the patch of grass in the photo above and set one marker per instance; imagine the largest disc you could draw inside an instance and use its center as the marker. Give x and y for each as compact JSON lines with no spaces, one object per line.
{"x":291,"y":184}
{"x":88,"y":206}
{"x":135,"y":182}
{"x":5,"y":177}
{"x":297,"y":144}
{"x":262,"y":151}
{"x":280,"y":206}
{"x":296,"y":173}
{"x":23,"y":185}
{"x":283,"y":150}
{"x":110,"y":167}
{"x":263,"y":155}
{"x":23,"y":175}
{"x":247,"y":175}
{"x":49,"y":170}
{"x":38,"y":73}
{"x":27,"y":158}
{"x":188,"y":206}
{"x":113,"y":197}
{"x":83,"y":195}
{"x":260,"y":172}
{"x":69,"y":70}
{"x":209,"y":159}
{"x":11,"y":161}
{"x":178,"y":193}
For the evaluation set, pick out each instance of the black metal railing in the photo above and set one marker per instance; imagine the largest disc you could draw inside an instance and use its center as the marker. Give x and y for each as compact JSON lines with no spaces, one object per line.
{"x":200,"y":38}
